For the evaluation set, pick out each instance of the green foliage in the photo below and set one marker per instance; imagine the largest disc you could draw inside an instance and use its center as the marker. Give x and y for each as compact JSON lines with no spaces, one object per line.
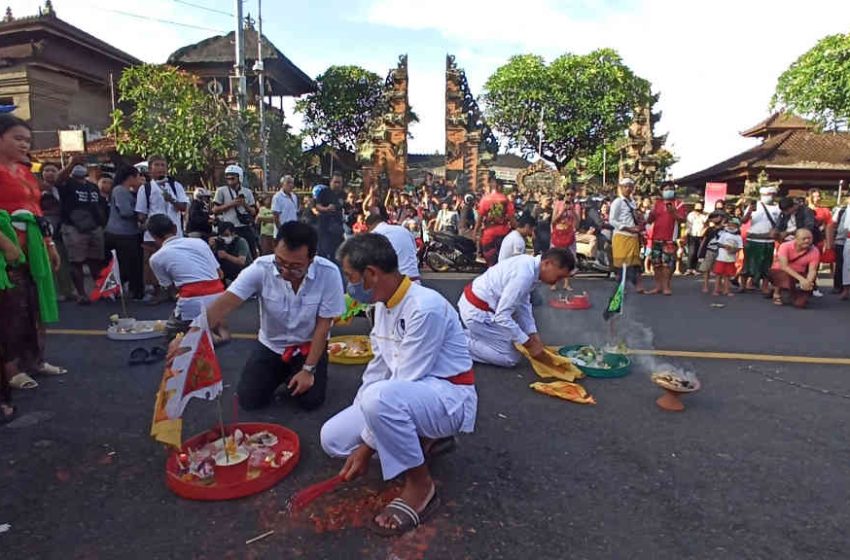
{"x":817,"y":85}
{"x":171,"y":116}
{"x":346,"y":99}
{"x":585,"y":100}
{"x":285,"y":151}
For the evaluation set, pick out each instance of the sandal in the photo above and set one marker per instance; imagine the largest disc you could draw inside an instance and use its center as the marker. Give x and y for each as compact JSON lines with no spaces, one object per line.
{"x":404,"y":516}
{"x":8,"y":412}
{"x":50,"y":369}
{"x":138,"y":356}
{"x":156,"y":354}
{"x":778,"y":301}
{"x":23,"y":381}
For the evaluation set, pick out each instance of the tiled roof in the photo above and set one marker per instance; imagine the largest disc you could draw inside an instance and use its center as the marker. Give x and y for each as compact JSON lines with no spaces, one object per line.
{"x":777,"y":122}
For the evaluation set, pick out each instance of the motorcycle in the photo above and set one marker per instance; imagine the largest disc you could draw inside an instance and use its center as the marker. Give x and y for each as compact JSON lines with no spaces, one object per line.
{"x":593,"y":255}
{"x":446,"y":251}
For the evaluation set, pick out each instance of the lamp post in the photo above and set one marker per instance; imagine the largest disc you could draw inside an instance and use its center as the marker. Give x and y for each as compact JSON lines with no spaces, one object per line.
{"x":259,"y":68}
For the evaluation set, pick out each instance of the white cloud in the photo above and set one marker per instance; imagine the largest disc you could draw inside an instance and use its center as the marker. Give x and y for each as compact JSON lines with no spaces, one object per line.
{"x":714,"y":63}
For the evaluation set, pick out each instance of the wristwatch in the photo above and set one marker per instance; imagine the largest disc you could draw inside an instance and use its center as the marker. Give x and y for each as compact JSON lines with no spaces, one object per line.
{"x":310,"y":368}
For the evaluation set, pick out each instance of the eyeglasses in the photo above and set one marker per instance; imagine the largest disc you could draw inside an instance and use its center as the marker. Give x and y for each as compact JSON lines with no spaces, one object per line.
{"x":294,"y":269}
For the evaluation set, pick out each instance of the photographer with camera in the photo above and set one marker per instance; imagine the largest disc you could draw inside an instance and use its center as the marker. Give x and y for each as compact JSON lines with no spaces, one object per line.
{"x":230,"y":250}
{"x":235,"y":203}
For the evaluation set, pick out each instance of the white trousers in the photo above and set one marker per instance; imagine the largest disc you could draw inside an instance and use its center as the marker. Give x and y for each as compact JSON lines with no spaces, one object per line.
{"x":489,"y":343}
{"x":189,"y":308}
{"x":390,"y":417}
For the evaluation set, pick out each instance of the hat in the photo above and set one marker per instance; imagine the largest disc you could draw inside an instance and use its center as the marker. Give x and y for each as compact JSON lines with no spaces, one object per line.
{"x":79,"y":171}
{"x":626,"y":182}
{"x":768,"y":190}
{"x":234,"y":170}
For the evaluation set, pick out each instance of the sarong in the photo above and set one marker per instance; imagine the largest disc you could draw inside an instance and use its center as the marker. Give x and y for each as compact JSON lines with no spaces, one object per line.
{"x":625,"y":250}
{"x":758,"y":258}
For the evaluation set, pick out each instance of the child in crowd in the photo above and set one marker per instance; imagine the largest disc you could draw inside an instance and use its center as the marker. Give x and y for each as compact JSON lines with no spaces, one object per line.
{"x":729,"y":243}
{"x":708,"y":248}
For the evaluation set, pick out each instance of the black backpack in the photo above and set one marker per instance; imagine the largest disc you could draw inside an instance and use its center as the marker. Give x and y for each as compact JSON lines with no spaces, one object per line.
{"x":149,"y":187}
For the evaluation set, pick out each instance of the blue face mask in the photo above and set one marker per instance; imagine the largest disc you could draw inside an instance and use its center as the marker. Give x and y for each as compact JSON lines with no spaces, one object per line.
{"x":668,"y":195}
{"x":359,"y":293}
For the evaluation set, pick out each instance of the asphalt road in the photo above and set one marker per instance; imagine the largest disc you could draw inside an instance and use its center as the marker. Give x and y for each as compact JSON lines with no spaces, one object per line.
{"x":756,"y":467}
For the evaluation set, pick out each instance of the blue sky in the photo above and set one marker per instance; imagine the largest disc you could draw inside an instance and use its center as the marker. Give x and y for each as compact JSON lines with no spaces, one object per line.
{"x":714,"y":63}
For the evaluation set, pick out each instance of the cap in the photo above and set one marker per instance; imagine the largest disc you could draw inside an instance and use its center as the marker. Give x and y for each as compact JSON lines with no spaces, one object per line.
{"x":79,"y":172}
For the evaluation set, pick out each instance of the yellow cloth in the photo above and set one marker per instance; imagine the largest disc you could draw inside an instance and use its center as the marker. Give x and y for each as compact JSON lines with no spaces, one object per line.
{"x":564,"y":390}
{"x":625,"y":250}
{"x":559,"y":367}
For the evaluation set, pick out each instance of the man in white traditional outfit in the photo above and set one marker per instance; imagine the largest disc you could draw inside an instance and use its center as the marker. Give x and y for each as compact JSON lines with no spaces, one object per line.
{"x":418,"y":391}
{"x":514,"y":243}
{"x":402,"y":241}
{"x":758,"y":252}
{"x":189,"y":265}
{"x":496,"y":306}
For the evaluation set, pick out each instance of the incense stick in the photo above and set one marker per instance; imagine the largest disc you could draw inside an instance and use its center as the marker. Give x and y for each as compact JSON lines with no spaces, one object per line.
{"x":221,"y":425}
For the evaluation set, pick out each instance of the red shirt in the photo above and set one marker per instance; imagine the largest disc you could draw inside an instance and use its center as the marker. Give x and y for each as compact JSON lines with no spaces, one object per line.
{"x":798,"y":262}
{"x":19,"y":190}
{"x":664,"y":222}
{"x":496,"y":210}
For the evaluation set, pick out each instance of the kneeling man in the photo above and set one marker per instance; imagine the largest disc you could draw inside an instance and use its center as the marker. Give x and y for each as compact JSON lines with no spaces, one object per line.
{"x":417,"y":392}
{"x":496,"y":306}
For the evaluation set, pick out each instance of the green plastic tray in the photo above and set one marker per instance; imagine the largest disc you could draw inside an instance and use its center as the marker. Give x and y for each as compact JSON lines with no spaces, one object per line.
{"x":620,"y":364}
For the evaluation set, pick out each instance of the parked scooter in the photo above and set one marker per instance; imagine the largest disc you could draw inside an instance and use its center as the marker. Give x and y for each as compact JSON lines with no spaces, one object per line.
{"x":446,"y":251}
{"x":593,"y":254}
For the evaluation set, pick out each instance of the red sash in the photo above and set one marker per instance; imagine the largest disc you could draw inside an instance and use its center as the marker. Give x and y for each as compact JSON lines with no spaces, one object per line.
{"x":297,"y":349}
{"x":202,"y":288}
{"x":475,"y":300}
{"x":465,"y":378}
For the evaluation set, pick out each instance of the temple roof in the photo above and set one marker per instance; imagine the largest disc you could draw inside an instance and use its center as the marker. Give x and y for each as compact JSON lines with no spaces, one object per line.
{"x":792,"y":149}
{"x":776,"y":123}
{"x":286,"y":78}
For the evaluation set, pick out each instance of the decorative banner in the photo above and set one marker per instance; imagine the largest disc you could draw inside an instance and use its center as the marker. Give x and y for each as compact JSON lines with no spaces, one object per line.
{"x":713,"y":193}
{"x":109,"y":281}
{"x":193,"y":373}
{"x":615,"y":304}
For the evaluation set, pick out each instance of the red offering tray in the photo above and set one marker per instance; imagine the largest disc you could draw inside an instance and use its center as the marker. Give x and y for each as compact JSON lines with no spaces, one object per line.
{"x":576,"y":302}
{"x":258,"y":479}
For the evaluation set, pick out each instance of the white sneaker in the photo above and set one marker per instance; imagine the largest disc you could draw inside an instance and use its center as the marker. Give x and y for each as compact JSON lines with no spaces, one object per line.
{"x":817,"y":293}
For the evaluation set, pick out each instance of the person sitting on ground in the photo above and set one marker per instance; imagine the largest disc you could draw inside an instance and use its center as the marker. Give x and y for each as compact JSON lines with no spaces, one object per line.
{"x":496,"y":306}
{"x":795,"y":270}
{"x":515,"y":243}
{"x":187,"y":264}
{"x":418,"y":390}
{"x":231,"y":251}
{"x":729,"y":242}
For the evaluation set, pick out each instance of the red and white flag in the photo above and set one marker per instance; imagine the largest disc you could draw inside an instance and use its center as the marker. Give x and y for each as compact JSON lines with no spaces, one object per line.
{"x":109,"y":281}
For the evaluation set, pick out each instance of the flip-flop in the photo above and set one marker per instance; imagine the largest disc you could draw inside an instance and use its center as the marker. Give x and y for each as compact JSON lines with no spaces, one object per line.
{"x":156,"y":354}
{"x":138,"y":356}
{"x":405,"y":516}
{"x":50,"y":369}
{"x":23,"y":381}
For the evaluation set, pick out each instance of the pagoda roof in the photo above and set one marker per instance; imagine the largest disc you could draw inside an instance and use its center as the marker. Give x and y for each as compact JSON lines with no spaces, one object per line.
{"x":287,"y":79}
{"x":776,"y":123}
{"x":803,"y":150}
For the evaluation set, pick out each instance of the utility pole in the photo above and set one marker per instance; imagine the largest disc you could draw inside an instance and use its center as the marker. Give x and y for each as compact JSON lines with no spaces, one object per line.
{"x":241,"y":84}
{"x":260,"y":69}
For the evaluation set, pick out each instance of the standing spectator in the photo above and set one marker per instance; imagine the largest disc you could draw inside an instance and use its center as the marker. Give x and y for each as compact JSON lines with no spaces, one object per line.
{"x":51,"y":207}
{"x":161,"y":195}
{"x":516,"y":242}
{"x":104,"y":186}
{"x":710,"y":247}
{"x":285,"y":203}
{"x":467,"y":214}
{"x":625,"y":239}
{"x":543,"y":231}
{"x":763,"y":217}
{"x":266,"y":224}
{"x":840,"y":234}
{"x":82,"y":228}
{"x":230,"y":250}
{"x":665,"y":215}
{"x":729,"y":242}
{"x":122,"y":229}
{"x":29,"y":255}
{"x":795,"y":269}
{"x":198,"y":223}
{"x":695,"y":231}
{"x":308,"y":214}
{"x":447,"y":219}
{"x":234,"y":203}
{"x":793,"y":216}
{"x":495,"y":216}
{"x":329,"y":205}
{"x":564,"y":222}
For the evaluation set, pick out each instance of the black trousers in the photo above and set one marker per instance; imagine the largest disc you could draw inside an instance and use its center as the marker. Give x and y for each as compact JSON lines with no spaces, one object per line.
{"x":693,"y":252}
{"x":249,"y":234}
{"x":130,"y":260}
{"x":265,"y":371}
{"x":837,"y":279}
{"x":329,"y":242}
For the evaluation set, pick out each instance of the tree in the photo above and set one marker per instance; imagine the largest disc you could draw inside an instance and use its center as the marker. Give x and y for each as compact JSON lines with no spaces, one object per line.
{"x":173,"y":117}
{"x":817,"y":85}
{"x":582,"y":100}
{"x":345,"y":101}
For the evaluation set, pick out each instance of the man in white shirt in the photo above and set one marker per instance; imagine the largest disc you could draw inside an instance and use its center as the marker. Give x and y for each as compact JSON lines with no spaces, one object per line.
{"x":625,"y":242}
{"x":758,"y":251}
{"x":402,"y":241}
{"x":840,"y":232}
{"x":189,"y":265}
{"x":285,"y":202}
{"x":235,"y":203}
{"x":161,"y":195}
{"x":514,"y":243}
{"x":418,"y":391}
{"x":299,"y":296}
{"x":696,"y":221}
{"x":496,"y":306}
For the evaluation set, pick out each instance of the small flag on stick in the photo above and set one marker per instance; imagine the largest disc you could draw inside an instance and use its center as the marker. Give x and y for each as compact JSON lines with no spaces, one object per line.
{"x":615,"y":304}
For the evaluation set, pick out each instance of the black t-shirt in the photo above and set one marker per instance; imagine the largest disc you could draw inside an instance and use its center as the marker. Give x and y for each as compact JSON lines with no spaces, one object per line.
{"x":331,"y":221}
{"x":81,"y":205}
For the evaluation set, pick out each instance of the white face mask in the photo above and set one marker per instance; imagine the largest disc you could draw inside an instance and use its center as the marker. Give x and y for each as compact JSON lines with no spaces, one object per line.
{"x":227,"y":239}
{"x":767,"y":198}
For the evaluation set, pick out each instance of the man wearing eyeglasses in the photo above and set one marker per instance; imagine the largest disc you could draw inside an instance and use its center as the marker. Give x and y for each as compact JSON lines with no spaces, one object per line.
{"x":299,"y":295}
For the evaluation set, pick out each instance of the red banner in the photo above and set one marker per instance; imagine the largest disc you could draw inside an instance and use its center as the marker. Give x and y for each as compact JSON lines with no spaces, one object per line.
{"x":713,"y":193}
